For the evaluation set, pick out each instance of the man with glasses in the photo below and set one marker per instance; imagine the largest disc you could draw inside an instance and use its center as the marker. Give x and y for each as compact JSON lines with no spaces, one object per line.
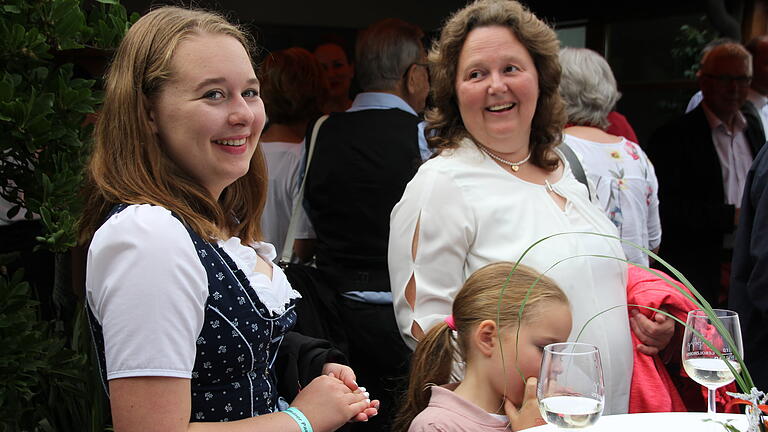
{"x":362,"y":161}
{"x":757,"y":94}
{"x":701,"y":161}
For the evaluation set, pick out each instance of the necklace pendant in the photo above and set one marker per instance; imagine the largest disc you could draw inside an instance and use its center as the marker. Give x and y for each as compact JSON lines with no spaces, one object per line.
{"x":515,"y":168}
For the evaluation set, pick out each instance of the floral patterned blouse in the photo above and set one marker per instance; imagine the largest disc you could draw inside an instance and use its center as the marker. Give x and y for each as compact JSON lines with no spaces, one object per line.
{"x":626,"y":188}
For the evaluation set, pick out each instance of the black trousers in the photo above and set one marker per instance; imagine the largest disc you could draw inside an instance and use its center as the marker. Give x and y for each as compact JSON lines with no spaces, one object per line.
{"x":378,"y":356}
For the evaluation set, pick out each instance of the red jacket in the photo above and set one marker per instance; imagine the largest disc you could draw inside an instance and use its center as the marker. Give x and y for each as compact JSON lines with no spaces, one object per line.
{"x":657,"y":387}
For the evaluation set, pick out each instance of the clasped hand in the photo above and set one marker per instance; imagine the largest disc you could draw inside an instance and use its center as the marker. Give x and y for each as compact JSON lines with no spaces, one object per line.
{"x":334,"y":398}
{"x":654,"y":334}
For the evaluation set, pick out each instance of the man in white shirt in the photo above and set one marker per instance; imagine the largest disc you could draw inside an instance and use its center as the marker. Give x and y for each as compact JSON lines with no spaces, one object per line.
{"x":701,"y":161}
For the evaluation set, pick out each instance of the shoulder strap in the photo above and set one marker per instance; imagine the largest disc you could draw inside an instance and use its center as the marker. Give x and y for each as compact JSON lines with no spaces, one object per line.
{"x":576,"y":168}
{"x":754,"y":132}
{"x":291,"y":235}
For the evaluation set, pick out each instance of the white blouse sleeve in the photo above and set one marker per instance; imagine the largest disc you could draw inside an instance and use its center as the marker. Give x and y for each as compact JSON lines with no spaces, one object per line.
{"x":654,"y":223}
{"x":147,"y":289}
{"x":446,"y":233}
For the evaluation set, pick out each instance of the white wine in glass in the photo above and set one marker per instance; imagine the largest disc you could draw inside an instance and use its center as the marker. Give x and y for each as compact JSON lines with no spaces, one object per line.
{"x":571,"y":392}
{"x":700,"y":361}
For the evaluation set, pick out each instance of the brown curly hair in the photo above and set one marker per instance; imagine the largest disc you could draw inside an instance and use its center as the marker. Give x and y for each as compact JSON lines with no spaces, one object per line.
{"x":445,"y":127}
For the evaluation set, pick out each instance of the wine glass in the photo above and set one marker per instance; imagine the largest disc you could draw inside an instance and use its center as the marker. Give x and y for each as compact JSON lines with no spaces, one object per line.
{"x":571,"y":392}
{"x":700,"y":361}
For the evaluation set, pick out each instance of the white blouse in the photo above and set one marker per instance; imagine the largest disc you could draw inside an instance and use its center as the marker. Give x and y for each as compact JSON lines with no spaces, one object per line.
{"x":472,"y":212}
{"x":147,"y":288}
{"x":627,"y":189}
{"x":284,"y":164}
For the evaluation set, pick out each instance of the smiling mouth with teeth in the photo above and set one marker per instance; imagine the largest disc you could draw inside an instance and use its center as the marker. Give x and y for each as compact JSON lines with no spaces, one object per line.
{"x":500,"y":108}
{"x":231,"y":143}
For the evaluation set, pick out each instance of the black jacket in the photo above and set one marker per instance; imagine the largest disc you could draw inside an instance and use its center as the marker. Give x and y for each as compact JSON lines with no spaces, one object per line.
{"x":694,"y":217}
{"x":299,"y":360}
{"x":361,"y":164}
{"x":749,"y":274}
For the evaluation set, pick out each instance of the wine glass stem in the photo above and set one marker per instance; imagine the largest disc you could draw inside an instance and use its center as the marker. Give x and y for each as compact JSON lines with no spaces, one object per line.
{"x":711,"y":410}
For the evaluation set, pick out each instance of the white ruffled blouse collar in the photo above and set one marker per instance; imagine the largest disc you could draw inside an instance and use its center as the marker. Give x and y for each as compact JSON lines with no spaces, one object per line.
{"x":275,"y":293}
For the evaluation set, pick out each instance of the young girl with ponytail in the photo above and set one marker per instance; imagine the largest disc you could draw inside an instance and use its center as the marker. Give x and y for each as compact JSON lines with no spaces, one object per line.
{"x":500,"y":350}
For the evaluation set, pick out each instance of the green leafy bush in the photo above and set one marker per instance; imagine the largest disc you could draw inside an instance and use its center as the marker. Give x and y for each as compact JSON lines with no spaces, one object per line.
{"x":49,"y":52}
{"x":689,"y":43}
{"x":44,"y":106}
{"x":37,"y":369}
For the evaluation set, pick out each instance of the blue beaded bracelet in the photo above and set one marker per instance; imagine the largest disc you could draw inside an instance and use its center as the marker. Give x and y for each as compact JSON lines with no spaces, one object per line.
{"x":299,"y":418}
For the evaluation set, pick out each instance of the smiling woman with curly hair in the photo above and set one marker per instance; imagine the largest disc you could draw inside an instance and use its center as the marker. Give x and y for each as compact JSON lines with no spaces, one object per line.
{"x":499,"y":183}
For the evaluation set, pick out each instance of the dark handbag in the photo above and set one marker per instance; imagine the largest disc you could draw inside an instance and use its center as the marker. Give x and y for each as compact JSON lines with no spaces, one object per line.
{"x":317,"y":312}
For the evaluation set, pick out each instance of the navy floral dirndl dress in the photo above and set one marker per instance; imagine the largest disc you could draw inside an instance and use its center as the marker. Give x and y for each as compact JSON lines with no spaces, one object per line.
{"x":233,"y":374}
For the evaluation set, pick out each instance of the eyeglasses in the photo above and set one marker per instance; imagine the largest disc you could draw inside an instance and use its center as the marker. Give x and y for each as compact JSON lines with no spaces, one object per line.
{"x":742,"y":80}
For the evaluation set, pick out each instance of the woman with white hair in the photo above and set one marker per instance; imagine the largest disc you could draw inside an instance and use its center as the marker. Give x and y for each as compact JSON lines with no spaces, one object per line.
{"x":624,"y":179}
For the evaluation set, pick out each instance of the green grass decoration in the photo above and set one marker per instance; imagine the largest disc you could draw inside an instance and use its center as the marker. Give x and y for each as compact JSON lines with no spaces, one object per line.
{"x":743,"y":379}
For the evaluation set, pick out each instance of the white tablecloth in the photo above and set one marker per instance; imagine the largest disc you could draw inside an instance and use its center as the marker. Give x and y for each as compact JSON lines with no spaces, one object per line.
{"x":657,"y":422}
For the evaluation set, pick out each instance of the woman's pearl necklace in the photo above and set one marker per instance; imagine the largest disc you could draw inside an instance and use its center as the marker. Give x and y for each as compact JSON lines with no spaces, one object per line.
{"x":515,"y":166}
